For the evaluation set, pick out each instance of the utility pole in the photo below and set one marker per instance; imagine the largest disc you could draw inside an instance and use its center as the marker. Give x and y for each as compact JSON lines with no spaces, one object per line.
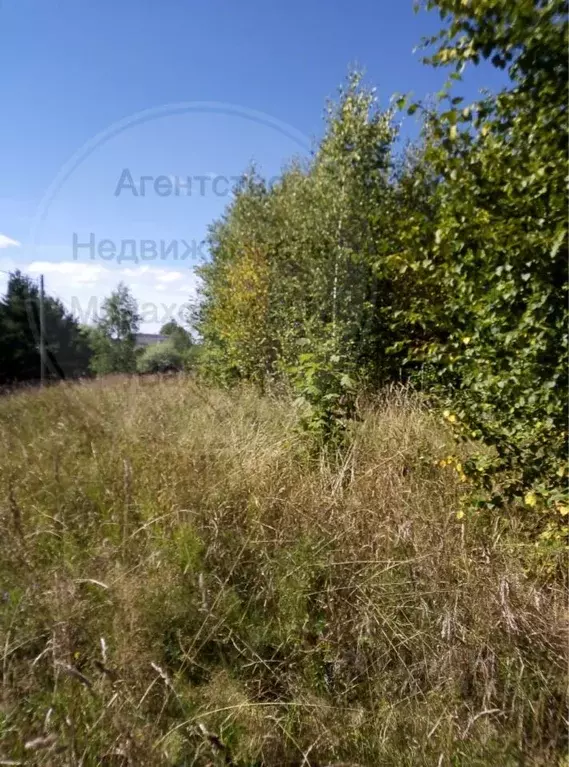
{"x":42,"y":333}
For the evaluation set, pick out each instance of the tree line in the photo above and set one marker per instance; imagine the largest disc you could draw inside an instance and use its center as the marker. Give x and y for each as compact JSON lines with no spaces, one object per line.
{"x":72,"y":350}
{"x":443,"y":265}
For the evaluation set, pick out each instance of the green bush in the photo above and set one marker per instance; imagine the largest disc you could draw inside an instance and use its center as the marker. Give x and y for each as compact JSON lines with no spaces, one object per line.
{"x":160,"y":358}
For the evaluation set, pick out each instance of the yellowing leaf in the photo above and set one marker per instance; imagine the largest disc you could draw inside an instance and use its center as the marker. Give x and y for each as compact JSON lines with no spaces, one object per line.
{"x":530,"y":499}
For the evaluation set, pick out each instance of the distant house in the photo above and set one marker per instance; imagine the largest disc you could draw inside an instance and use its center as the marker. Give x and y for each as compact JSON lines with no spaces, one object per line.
{"x":142,"y":340}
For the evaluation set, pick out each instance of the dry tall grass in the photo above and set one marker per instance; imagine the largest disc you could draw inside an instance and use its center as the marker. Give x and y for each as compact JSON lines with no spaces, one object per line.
{"x":183,"y":584}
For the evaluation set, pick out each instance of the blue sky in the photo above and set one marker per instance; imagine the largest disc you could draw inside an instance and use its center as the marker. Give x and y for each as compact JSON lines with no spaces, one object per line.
{"x":174,"y":88}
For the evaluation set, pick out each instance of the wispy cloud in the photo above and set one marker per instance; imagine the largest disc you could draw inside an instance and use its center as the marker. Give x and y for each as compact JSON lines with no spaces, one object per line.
{"x":82,"y":287}
{"x":8,"y":242}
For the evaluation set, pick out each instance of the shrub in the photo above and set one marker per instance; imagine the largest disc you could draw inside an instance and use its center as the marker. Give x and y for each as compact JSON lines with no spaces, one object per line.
{"x":160,"y":358}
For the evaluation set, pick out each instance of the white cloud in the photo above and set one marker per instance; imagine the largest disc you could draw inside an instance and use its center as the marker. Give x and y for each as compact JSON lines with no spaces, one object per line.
{"x":128,"y":272}
{"x":161,"y":293}
{"x":7,"y":242}
{"x":82,"y":274}
{"x":168,"y":276}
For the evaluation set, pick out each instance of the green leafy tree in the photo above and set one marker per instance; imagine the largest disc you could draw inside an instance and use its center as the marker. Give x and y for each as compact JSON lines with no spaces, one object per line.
{"x":179,"y":336}
{"x":232,"y":317}
{"x":113,"y":339}
{"x":498,"y":247}
{"x":291,"y":290}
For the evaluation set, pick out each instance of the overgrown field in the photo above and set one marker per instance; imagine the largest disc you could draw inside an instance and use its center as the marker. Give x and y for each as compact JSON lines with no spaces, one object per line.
{"x":184,"y":583}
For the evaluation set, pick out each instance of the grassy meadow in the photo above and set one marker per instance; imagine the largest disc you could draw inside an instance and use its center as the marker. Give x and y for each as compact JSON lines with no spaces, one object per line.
{"x":183,"y":582}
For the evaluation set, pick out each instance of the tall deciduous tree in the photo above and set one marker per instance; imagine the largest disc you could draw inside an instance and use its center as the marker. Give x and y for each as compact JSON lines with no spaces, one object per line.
{"x":113,"y":338}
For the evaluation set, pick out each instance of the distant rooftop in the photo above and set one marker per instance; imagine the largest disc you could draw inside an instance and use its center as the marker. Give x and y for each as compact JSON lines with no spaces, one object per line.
{"x":147,"y":339}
